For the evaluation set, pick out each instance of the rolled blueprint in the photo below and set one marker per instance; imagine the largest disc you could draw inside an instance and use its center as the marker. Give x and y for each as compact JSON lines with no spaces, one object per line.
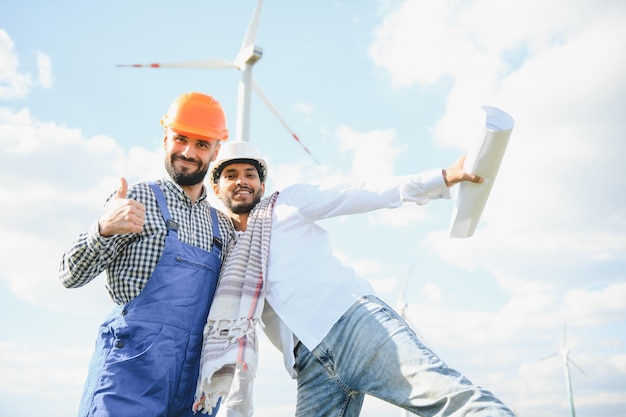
{"x":472,"y":197}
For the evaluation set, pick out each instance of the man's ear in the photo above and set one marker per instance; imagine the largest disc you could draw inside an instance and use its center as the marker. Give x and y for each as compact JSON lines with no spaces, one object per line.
{"x":216,"y":190}
{"x":262,"y":189}
{"x":217,"y":150}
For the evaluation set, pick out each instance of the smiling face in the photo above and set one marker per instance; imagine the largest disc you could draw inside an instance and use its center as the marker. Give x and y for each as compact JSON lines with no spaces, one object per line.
{"x":187,"y":158}
{"x":239,"y":187}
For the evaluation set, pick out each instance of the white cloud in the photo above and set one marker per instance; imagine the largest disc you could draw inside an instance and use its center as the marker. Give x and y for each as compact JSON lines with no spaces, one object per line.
{"x":593,"y":308}
{"x":362,"y":267}
{"x":432,"y":292}
{"x":44,"y":65}
{"x":12,"y":83}
{"x":371,"y":155}
{"x":48,"y":169}
{"x":48,"y":372}
{"x":283,"y":175}
{"x":398,"y":218}
{"x":16,"y":84}
{"x":374,"y":152}
{"x":306,"y":109}
{"x":404,"y":43}
{"x":619,"y":361}
{"x":470,"y":44}
{"x":556,"y":215}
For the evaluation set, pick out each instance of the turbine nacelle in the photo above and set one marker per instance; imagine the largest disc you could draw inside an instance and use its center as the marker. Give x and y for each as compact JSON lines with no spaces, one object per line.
{"x":248,"y":56}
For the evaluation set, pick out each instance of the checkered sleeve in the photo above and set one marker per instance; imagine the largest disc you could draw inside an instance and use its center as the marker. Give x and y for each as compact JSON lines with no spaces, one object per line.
{"x":89,"y":255}
{"x":130,"y":259}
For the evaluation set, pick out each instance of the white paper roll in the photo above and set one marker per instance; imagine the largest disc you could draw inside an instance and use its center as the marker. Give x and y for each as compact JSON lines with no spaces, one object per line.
{"x":486,"y":162}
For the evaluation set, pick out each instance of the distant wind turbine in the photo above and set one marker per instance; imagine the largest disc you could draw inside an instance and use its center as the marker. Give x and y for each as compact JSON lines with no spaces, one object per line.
{"x":564,"y":353}
{"x":401,"y":307}
{"x":248,"y":55}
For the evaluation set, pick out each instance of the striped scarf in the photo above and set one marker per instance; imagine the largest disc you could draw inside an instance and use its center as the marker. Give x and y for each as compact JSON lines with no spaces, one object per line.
{"x":229,"y":351}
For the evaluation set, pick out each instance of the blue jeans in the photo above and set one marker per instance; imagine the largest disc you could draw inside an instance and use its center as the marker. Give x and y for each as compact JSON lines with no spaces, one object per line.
{"x":372,"y":350}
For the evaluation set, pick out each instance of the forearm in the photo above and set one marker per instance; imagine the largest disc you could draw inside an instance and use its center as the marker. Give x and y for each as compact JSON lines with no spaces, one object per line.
{"x":88,"y":256}
{"x":318,"y":202}
{"x":424,"y":187}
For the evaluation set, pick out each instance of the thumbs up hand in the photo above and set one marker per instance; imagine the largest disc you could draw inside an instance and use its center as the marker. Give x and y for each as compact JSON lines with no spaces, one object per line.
{"x":122,"y":215}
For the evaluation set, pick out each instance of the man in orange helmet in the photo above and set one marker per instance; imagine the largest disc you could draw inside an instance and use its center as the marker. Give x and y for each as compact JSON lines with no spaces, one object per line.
{"x":161,"y":245}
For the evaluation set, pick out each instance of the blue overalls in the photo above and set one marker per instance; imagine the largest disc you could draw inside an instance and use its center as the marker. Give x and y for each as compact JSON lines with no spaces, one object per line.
{"x":147,"y":354}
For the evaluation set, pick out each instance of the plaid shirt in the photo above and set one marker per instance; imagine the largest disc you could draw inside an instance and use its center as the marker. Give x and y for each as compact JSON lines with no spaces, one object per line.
{"x":130,"y":259}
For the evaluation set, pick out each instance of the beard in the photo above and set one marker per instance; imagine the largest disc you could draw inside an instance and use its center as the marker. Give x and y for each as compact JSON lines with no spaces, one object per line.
{"x":239,"y":207}
{"x":182,"y":176}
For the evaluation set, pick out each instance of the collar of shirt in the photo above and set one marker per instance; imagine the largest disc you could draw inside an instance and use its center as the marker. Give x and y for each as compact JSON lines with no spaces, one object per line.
{"x":182,"y":195}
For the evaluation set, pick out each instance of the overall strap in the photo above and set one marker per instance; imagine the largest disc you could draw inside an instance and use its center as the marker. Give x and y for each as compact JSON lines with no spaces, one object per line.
{"x":172,"y":226}
{"x":217,"y":241}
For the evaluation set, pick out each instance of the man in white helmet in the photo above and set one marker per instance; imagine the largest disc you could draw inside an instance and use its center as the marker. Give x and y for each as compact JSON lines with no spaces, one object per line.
{"x":338,"y":339}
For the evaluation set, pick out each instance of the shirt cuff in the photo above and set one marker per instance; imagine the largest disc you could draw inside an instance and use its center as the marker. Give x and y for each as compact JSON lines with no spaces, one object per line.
{"x":427,"y":185}
{"x":94,"y":238}
{"x":435,"y":184}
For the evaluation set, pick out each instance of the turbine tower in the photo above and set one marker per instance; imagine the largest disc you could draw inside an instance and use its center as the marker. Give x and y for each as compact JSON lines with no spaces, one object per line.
{"x":249,"y":54}
{"x":564,"y":353}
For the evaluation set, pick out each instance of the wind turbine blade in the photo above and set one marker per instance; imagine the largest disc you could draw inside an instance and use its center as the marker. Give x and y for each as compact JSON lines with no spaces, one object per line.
{"x":547,"y":357}
{"x":199,"y":64}
{"x":578,"y":367}
{"x":567,"y":358}
{"x":402,"y":311}
{"x":252,"y":27}
{"x":280,"y":118}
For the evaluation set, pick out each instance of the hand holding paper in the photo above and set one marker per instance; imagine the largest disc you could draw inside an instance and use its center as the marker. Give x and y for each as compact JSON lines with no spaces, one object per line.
{"x":457,"y":173}
{"x":486,"y":163}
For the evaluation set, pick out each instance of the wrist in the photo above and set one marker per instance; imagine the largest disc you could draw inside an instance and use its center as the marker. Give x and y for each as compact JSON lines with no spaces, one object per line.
{"x":445,"y":177}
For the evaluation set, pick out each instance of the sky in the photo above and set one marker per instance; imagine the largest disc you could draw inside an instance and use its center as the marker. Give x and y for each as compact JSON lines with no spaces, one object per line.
{"x":372,"y":88}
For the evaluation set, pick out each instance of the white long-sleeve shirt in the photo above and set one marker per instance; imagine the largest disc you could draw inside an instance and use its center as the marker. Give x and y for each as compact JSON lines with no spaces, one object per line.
{"x":307,"y":288}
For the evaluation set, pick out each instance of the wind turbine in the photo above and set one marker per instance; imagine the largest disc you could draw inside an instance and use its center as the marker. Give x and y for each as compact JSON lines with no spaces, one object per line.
{"x":401,"y":307}
{"x":564,"y":353}
{"x":248,"y":55}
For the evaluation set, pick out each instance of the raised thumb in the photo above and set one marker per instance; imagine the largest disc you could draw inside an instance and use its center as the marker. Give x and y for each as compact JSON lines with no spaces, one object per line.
{"x":123,"y":190}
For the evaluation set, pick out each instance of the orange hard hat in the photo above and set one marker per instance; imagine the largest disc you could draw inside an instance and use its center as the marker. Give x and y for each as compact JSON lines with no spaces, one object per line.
{"x":197,"y":115}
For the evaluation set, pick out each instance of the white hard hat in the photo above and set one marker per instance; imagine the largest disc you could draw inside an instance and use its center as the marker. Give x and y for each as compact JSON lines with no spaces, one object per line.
{"x":238,"y":151}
